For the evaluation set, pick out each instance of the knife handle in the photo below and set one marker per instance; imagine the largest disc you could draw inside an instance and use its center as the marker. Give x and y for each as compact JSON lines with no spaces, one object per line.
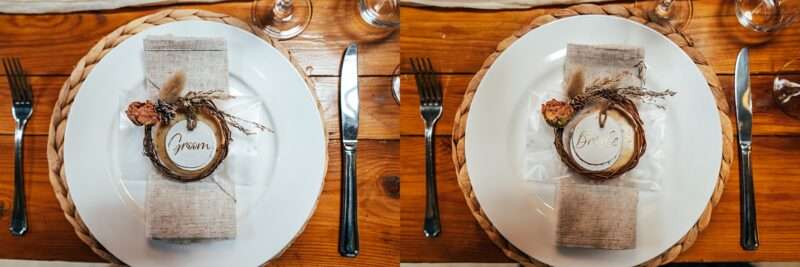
{"x":348,"y":226}
{"x":749,"y":230}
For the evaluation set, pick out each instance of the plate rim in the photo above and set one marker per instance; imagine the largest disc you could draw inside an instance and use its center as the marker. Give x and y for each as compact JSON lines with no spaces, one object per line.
{"x":268,"y":48}
{"x":467,"y":188}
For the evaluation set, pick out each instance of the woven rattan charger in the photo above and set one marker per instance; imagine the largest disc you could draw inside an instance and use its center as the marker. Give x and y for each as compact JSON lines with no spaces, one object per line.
{"x":58,"y":121}
{"x":680,"y":39}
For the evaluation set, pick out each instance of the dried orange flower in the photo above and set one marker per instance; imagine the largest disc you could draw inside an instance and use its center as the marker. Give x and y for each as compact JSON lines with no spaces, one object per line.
{"x":557,"y":113}
{"x":142,"y":113}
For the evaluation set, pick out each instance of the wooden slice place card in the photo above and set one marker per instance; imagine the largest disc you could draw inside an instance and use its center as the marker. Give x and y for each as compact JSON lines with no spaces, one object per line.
{"x":602,"y":140}
{"x":184,"y":153}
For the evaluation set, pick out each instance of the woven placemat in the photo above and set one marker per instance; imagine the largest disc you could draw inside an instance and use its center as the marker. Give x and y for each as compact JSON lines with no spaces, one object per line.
{"x":683,"y":41}
{"x":58,"y":121}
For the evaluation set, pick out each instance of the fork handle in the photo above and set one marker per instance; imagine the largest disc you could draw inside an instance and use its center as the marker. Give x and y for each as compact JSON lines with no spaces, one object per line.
{"x":19,"y":218}
{"x":433,"y":226}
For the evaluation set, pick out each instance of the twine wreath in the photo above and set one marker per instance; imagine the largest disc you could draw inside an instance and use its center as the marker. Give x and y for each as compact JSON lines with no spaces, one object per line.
{"x":631,"y":114}
{"x":680,"y":39}
{"x":66,"y":96}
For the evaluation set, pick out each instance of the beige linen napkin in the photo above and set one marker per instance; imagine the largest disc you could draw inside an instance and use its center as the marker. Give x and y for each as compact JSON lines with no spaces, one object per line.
{"x":204,"y":209}
{"x":64,"y":6}
{"x":590,"y":214}
{"x":596,"y":215}
{"x":494,"y":4}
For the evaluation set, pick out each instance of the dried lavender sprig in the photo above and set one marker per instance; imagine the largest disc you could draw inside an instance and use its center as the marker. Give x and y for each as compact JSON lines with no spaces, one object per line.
{"x":236,"y":122}
{"x":597,"y":91}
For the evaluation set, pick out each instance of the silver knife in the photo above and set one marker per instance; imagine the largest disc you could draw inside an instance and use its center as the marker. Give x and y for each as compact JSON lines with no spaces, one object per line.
{"x":348,"y":112}
{"x":744,"y":120}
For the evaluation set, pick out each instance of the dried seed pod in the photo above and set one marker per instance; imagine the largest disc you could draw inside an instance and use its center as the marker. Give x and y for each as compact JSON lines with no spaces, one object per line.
{"x":171,"y":90}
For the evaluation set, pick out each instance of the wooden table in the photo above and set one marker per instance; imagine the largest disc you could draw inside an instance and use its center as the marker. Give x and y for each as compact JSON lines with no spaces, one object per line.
{"x":50,"y":45}
{"x":458,"y":41}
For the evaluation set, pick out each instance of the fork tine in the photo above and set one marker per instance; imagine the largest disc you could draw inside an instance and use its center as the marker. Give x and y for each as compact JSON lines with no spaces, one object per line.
{"x":25,"y":88}
{"x":436,"y":88}
{"x":418,"y":76}
{"x":426,"y":79}
{"x":19,"y":77}
{"x":12,"y":83}
{"x":431,"y":87}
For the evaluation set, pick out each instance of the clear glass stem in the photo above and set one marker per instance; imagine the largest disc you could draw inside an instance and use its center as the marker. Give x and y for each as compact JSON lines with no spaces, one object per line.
{"x":663,"y":9}
{"x":282,"y":19}
{"x":283,"y":10}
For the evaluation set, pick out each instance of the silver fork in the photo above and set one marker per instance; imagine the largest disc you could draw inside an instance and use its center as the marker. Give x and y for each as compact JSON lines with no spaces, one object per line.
{"x":430,"y":106}
{"x":21,"y":109}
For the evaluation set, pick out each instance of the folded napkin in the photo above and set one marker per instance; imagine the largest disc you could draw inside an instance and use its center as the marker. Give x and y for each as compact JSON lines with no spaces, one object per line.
{"x":64,"y":6}
{"x":204,"y":209}
{"x":599,"y":214}
{"x":495,"y":4}
{"x":596,"y":215}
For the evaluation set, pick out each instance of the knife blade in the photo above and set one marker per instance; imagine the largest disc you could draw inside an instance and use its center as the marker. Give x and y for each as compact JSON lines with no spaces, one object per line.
{"x":744,"y":122}
{"x":348,"y":119}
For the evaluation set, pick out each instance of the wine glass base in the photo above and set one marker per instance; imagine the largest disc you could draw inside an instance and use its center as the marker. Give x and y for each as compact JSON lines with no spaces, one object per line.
{"x":379,"y":13}
{"x":678,"y":14}
{"x":786,"y":88}
{"x":279,"y":26}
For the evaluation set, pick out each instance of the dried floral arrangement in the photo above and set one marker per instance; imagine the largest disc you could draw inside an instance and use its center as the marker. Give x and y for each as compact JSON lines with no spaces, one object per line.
{"x":172,"y":107}
{"x":606,"y":96}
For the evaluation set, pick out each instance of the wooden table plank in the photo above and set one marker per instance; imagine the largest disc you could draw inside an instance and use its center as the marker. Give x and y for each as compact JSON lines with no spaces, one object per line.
{"x":435,"y":33}
{"x":52,"y":44}
{"x":378,"y":120}
{"x":768,"y":119}
{"x":51,"y":237}
{"x":463,"y":240}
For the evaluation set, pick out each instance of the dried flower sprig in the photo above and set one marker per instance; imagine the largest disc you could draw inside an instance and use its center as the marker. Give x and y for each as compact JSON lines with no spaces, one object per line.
{"x":142,"y":113}
{"x":170,"y":101}
{"x":558,"y":113}
{"x":240,"y":123}
{"x":171,"y":90}
{"x":608,"y":88}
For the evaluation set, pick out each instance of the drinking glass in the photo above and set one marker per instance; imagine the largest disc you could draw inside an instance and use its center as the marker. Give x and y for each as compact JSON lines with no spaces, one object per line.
{"x":396,"y":84}
{"x":786,"y":88}
{"x":281,"y":19}
{"x":677,"y":13}
{"x":767,"y":15}
{"x":380,"y":13}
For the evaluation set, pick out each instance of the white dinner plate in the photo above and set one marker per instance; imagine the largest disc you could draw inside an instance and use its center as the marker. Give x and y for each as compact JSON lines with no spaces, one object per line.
{"x":279,"y":192}
{"x":523,"y":211}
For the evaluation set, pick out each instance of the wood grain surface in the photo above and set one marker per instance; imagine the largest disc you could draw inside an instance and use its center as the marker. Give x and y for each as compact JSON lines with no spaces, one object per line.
{"x":51,"y":237}
{"x":50,"y":45}
{"x":462,"y":239}
{"x":436,"y":33}
{"x":378,"y":121}
{"x":459,"y":40}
